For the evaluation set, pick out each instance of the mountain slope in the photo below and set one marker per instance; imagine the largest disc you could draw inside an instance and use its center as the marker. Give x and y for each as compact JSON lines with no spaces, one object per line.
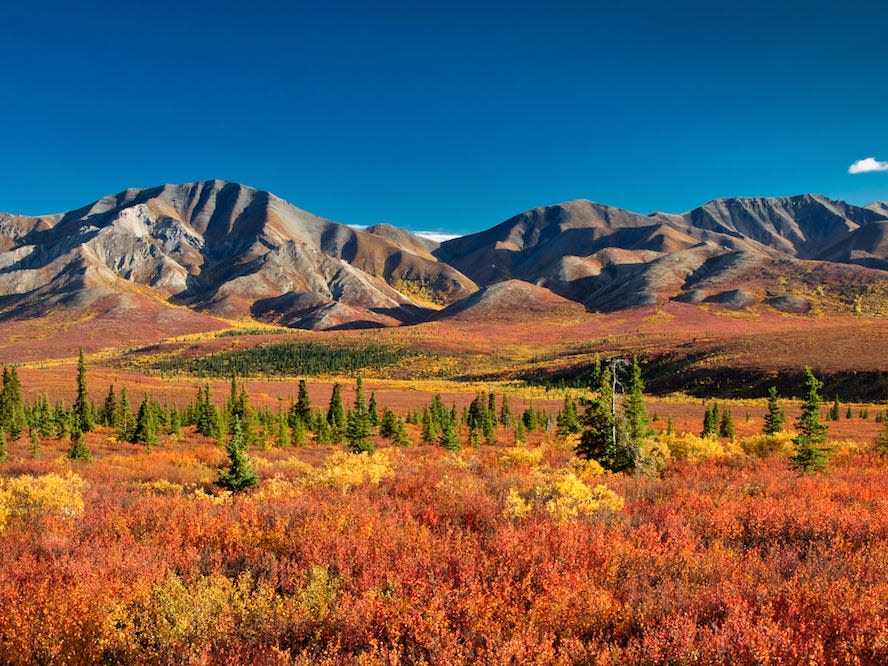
{"x":608,"y":258}
{"x":218,"y":247}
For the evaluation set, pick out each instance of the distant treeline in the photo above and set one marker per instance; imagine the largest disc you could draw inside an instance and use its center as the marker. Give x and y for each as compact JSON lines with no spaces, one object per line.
{"x":284,"y":358}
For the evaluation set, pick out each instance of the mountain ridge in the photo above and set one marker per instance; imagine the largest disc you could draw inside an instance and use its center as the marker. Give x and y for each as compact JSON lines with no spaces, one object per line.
{"x":230,"y":250}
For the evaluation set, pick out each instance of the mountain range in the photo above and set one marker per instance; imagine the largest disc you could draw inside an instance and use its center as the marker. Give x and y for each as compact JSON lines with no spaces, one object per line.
{"x":232,"y":251}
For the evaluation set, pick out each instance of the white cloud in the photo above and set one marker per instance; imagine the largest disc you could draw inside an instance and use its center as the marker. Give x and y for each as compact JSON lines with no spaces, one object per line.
{"x":867,"y":165}
{"x":436,"y":235}
{"x":359,"y":227}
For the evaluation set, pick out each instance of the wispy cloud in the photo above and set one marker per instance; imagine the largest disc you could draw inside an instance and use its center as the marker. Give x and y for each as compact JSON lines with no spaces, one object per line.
{"x":437,"y":235}
{"x":867,"y":165}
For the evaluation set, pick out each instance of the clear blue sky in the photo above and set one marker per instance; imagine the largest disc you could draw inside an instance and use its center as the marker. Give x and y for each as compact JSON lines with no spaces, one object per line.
{"x":445,"y":116}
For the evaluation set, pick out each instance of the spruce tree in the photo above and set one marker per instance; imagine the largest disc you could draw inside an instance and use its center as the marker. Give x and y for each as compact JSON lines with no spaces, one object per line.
{"x":670,"y":427}
{"x":505,"y":414}
{"x":78,"y":449}
{"x":448,"y":438}
{"x":124,"y":417}
{"x":597,"y":441}
{"x":240,"y":474}
{"x":358,"y":428}
{"x":4,"y":448}
{"x":811,"y":450}
{"x":282,"y":437}
{"x":108,"y":413}
{"x":520,"y":433}
{"x":726,"y":427}
{"x":35,"y":443}
{"x":849,"y":414}
{"x":638,"y":424}
{"x":568,"y":419}
{"x":336,"y":411}
{"x":82,"y":408}
{"x":775,"y":417}
{"x":301,"y":411}
{"x":145,"y":430}
{"x":12,"y":404}
{"x":710,"y":421}
{"x":834,"y":410}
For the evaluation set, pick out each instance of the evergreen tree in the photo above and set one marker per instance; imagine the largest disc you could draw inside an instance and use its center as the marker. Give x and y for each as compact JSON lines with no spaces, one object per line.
{"x":638,"y":424}
{"x":358,"y":428}
{"x":4,"y":448}
{"x":35,"y":443}
{"x":811,"y":450}
{"x":670,"y":427}
{"x":12,"y":404}
{"x":429,"y":431}
{"x":834,"y":410}
{"x":124,"y":418}
{"x":108,"y":413}
{"x":78,"y":449}
{"x":520,"y":433}
{"x":505,"y":414}
{"x":282,"y":437}
{"x":710,"y":421}
{"x":336,"y":412}
{"x":448,"y":438}
{"x":175,"y":426}
{"x":597,"y":440}
{"x":145,"y":430}
{"x":387,"y":423}
{"x":240,"y":474}
{"x":82,"y":405}
{"x":849,"y":414}
{"x":726,"y":427}
{"x":301,"y":411}
{"x":568,"y":420}
{"x":775,"y":418}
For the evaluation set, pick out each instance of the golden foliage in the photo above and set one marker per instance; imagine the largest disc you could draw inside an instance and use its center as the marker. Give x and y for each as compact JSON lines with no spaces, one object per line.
{"x":694,"y":448}
{"x":27,"y":499}
{"x":520,"y":456}
{"x":765,"y":445}
{"x":347,"y":470}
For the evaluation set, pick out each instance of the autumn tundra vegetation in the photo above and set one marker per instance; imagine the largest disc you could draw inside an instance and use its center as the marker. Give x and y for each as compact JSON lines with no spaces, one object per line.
{"x":215,"y":529}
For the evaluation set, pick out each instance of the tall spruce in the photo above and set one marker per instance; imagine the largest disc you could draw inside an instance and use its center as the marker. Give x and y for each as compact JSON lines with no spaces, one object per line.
{"x":358,"y":427}
{"x":726,"y":426}
{"x":12,"y":404}
{"x":240,"y":474}
{"x":145,"y":429}
{"x":108,"y":413}
{"x":775,"y":416}
{"x":336,"y":410}
{"x":812,"y":453}
{"x":78,"y":449}
{"x":82,"y":408}
{"x":638,"y":423}
{"x":302,"y":409}
{"x":568,"y":419}
{"x":834,"y":411}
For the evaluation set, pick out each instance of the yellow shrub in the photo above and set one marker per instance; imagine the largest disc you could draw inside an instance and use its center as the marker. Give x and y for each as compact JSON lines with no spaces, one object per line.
{"x":586,"y":470}
{"x":347,"y":470}
{"x":178,"y":619}
{"x":276,"y":487}
{"x":25,"y":499}
{"x":691,"y":447}
{"x":520,"y":456}
{"x":319,"y":593}
{"x":162,"y":487}
{"x":563,"y":495}
{"x":765,"y":445}
{"x":516,"y":506}
{"x":569,"y":497}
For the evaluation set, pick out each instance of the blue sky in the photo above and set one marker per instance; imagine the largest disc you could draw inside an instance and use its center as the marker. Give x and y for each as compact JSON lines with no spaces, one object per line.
{"x":443,"y":116}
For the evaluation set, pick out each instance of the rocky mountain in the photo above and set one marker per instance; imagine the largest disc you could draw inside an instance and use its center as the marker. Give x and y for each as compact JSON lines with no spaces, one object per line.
{"x":608,"y":258}
{"x":230,"y":251}
{"x":225,"y":249}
